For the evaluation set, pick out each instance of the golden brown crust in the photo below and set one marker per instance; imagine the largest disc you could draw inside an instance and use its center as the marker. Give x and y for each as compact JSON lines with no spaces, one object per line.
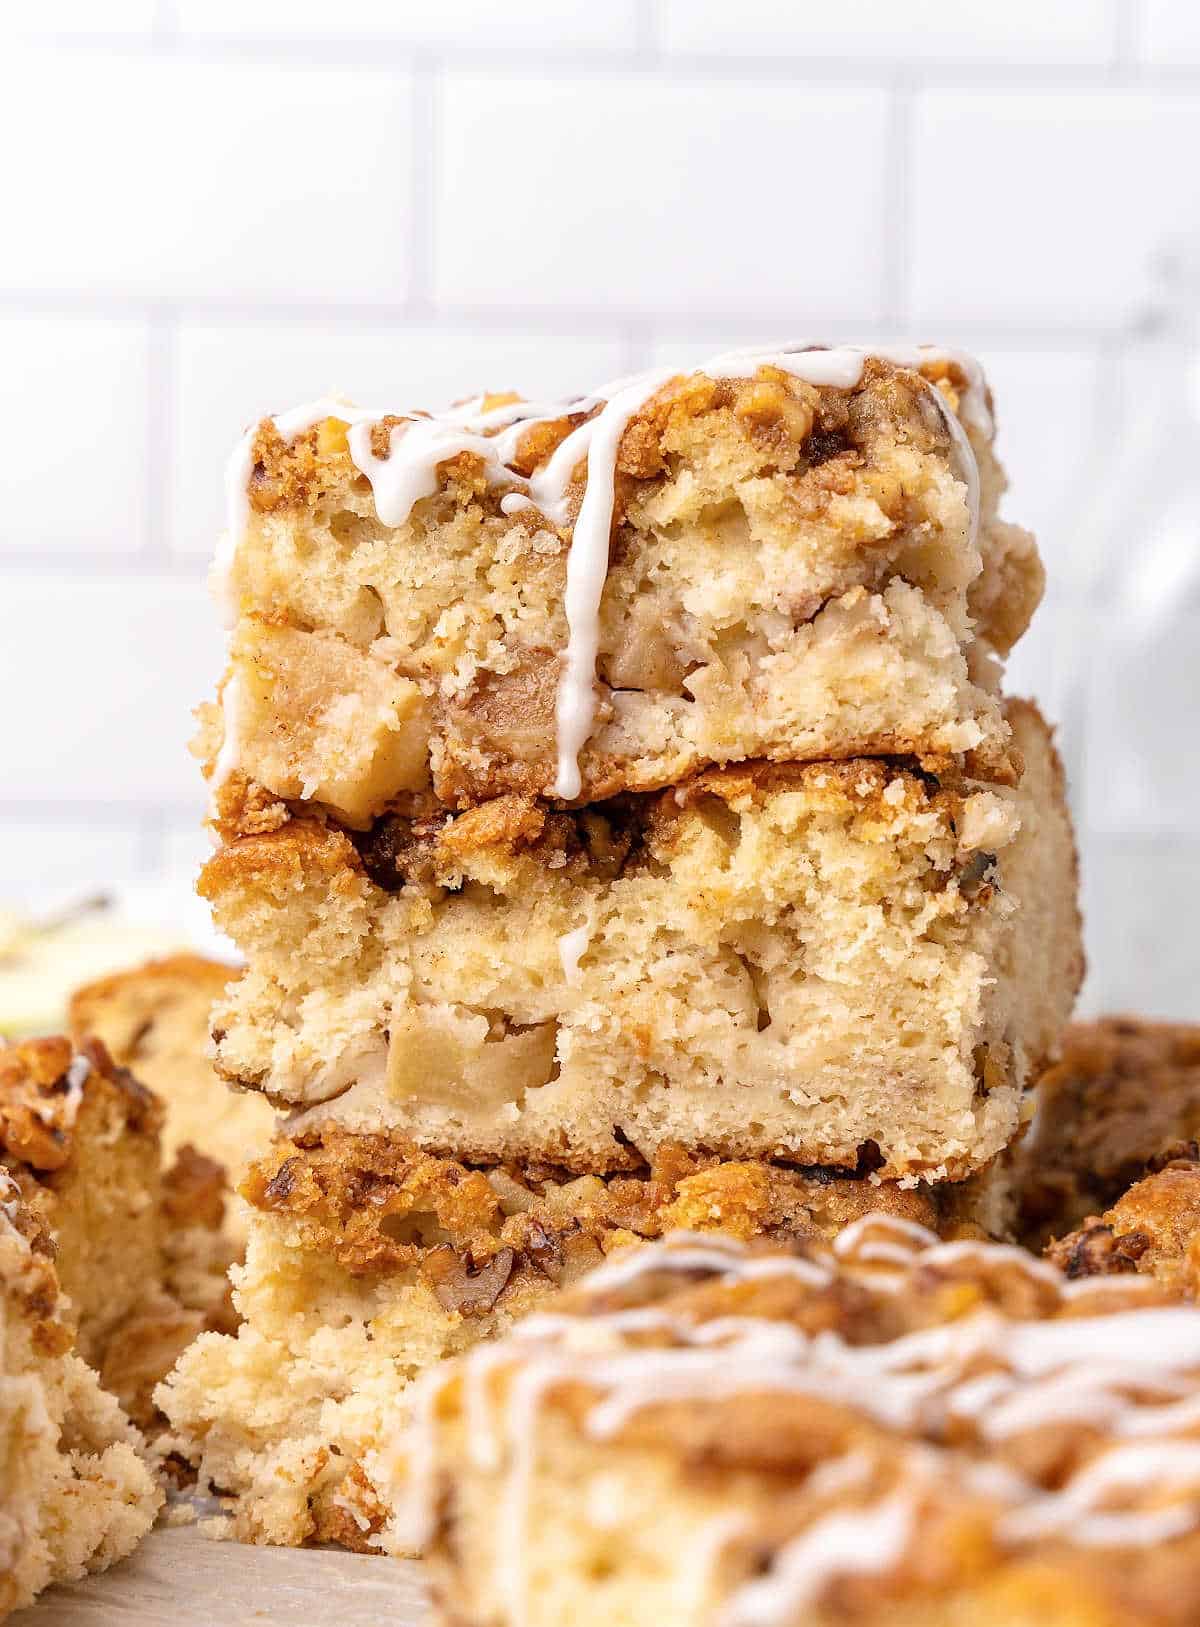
{"x":194,"y":1190}
{"x":438,"y":843}
{"x":819,"y":433}
{"x":166,"y":972}
{"x":377,"y":1204}
{"x":34,"y":1284}
{"x":870,"y":473}
{"x":281,"y":860}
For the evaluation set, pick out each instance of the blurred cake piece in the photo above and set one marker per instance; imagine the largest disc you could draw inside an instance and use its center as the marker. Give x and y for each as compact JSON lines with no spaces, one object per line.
{"x":855,"y":964}
{"x":140,"y":1258}
{"x":790,"y":555}
{"x":44,"y":956}
{"x":1152,"y":1229}
{"x":1125,"y":1091}
{"x":155,"y":1019}
{"x":889,"y":1431}
{"x":75,"y":1492}
{"x":369,"y":1261}
{"x":81,"y":1139}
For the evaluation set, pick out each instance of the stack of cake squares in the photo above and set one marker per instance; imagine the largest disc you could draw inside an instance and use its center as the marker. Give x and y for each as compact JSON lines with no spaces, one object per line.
{"x":624,"y":831}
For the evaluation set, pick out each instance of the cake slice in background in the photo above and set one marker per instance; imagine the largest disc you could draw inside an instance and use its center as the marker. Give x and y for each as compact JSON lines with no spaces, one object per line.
{"x":1125,"y":1091}
{"x":78,"y":1494}
{"x":140,"y":1256}
{"x":155,"y":1019}
{"x":47,"y":954}
{"x":1152,"y":1229}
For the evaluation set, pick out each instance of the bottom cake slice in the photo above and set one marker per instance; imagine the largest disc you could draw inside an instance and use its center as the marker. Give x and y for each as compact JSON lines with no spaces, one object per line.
{"x":889,"y":1430}
{"x":75,"y":1492}
{"x":368,"y":1261}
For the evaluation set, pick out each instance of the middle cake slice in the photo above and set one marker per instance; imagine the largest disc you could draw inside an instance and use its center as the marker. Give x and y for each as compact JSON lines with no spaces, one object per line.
{"x":850,"y":964}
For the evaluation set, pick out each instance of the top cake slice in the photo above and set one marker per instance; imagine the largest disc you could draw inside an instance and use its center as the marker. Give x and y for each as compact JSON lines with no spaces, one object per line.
{"x":788,"y":555}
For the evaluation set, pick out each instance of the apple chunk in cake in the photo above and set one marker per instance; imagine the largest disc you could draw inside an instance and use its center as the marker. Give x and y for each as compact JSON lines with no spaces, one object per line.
{"x":790,"y":556}
{"x":892,"y":1430}
{"x":369,"y":1261}
{"x":847,"y":964}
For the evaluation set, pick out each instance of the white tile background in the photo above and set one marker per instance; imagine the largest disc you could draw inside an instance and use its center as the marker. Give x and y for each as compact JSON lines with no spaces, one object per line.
{"x":214,"y":208}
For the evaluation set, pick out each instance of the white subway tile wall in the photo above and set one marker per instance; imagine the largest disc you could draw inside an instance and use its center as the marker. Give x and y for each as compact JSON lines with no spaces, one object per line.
{"x":617,"y":189}
{"x":76,"y":397}
{"x":219,"y":207}
{"x":919,"y":31}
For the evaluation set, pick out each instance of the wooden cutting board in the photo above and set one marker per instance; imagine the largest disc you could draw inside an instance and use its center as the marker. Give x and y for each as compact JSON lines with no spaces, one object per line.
{"x":180,"y":1578}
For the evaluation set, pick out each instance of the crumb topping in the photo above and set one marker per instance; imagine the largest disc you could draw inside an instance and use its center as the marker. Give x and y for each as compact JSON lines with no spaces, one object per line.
{"x":43,"y":1083}
{"x":378,"y":1204}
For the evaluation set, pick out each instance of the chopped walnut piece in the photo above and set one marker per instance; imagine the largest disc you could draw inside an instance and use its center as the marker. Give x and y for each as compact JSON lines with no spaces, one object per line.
{"x":463,"y":1287}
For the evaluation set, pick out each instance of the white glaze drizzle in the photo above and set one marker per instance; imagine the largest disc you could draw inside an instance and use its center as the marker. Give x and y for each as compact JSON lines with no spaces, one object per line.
{"x":846,"y":1542}
{"x":571,"y":948}
{"x":587,"y":570}
{"x":419,"y":444}
{"x":10,"y":1204}
{"x":1132,"y":1374}
{"x":1078,"y":1511}
{"x":63,"y":1108}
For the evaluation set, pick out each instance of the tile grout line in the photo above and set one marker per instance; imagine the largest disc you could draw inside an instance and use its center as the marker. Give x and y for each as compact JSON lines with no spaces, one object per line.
{"x":568,"y":322}
{"x":151,"y":846}
{"x":637,"y":342}
{"x":1127,"y":24}
{"x":1117,"y":69}
{"x":898,"y":158}
{"x":423,"y":163}
{"x":649,"y":31}
{"x":164,"y":26}
{"x":160,"y":439}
